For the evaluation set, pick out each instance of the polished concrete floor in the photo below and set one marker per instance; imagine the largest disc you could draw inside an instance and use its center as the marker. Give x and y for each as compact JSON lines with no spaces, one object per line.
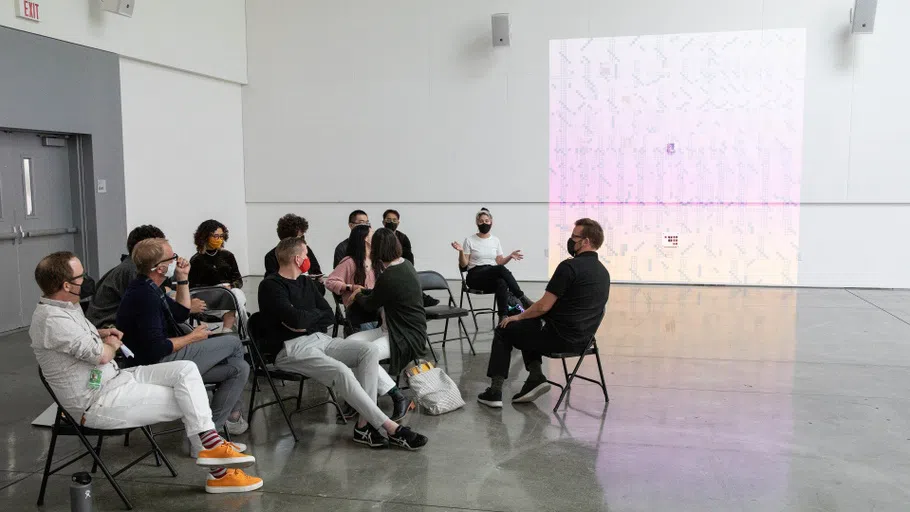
{"x":722,"y":399}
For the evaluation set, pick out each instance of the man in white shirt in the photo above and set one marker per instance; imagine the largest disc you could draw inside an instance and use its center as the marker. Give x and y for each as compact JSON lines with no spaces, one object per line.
{"x":481,"y":255}
{"x":77,"y":362}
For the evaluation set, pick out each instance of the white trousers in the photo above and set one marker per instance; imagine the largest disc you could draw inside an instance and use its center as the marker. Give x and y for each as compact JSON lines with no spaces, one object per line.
{"x":154,"y":394}
{"x":348,"y":367}
{"x":379,"y":338}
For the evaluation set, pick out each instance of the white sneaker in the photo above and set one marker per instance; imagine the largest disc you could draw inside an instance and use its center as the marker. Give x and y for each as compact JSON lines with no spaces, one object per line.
{"x":196,"y":446}
{"x":235,"y":428}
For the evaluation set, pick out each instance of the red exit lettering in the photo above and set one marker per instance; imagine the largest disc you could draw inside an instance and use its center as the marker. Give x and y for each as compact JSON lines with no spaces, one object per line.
{"x":30,"y":10}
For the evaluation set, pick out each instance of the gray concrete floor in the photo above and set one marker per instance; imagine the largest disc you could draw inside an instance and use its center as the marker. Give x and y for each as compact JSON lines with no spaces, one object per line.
{"x":721,"y":399}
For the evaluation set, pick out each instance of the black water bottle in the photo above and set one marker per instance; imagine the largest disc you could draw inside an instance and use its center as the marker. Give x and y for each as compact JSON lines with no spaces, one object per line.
{"x":81,"y":493}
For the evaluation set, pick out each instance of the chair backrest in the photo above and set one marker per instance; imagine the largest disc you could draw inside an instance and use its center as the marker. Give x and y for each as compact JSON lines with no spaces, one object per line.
{"x":431,"y":280}
{"x":220,"y":294}
{"x":257,"y":336}
{"x":60,"y":409}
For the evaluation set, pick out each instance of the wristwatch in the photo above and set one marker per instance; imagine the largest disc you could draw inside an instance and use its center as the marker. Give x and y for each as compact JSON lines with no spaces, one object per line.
{"x":185,"y":281}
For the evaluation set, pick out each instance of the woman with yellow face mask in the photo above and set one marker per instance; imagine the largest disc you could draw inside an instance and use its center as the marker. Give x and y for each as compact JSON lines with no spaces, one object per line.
{"x":213,"y":265}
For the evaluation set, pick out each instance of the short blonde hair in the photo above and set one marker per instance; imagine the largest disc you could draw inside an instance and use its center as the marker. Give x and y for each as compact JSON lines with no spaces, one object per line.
{"x":147,"y":254}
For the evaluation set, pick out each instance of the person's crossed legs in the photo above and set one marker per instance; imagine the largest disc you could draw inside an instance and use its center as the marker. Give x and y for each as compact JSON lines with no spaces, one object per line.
{"x":351,"y":368}
{"x":497,"y":279}
{"x":386,"y":385}
{"x":220,"y":361}
{"x":530,"y":337}
{"x":146,"y":395}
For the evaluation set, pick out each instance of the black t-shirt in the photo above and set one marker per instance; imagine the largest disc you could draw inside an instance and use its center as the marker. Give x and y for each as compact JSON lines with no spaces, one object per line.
{"x":214,"y":269}
{"x":271,"y":262}
{"x":287,"y":304}
{"x":582,"y":286}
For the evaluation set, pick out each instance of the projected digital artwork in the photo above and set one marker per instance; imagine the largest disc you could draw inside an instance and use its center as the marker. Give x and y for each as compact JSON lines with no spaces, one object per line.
{"x":687,"y":148}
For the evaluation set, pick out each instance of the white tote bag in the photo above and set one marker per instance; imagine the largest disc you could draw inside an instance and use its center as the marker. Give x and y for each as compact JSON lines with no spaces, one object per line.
{"x":436,"y":392}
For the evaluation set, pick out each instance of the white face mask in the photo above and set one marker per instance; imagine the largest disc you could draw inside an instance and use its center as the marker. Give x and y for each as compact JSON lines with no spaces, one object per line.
{"x":171,"y":267}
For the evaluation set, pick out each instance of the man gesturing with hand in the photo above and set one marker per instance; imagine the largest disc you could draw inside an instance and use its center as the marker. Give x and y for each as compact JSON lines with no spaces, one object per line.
{"x":151,"y":324}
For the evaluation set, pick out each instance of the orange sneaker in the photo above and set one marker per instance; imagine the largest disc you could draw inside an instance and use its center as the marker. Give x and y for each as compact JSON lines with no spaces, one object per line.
{"x":224,"y":455}
{"x":234,"y":481}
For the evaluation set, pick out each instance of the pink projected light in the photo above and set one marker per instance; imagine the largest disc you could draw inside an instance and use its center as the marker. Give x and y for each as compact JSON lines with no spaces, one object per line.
{"x":696,"y":135}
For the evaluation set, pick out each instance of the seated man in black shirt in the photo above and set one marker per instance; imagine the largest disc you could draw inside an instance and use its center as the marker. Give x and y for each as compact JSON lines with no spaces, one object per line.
{"x":291,"y":226}
{"x":102,"y":310}
{"x":149,"y":319}
{"x":295,"y":318}
{"x":572,"y":309}
{"x":356,"y":218}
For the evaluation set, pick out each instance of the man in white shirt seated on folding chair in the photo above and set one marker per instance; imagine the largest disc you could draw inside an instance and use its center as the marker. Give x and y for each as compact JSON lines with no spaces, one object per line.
{"x":77,"y":362}
{"x":571,"y":310}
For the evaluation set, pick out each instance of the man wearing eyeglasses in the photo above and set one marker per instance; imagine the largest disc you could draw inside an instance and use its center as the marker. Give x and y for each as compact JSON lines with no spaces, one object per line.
{"x":356,"y":218}
{"x":151,"y":324}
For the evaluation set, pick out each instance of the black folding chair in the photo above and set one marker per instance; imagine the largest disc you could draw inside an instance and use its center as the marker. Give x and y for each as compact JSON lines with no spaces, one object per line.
{"x":467,"y":291}
{"x":341,"y":319}
{"x":430,"y":280}
{"x":66,"y":425}
{"x":591,"y":349}
{"x":221,"y":299}
{"x":263,"y":366}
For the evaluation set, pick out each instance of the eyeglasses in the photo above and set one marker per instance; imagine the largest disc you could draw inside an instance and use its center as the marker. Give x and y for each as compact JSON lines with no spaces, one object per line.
{"x":215,"y":235}
{"x":74,"y":278}
{"x":577,"y":237}
{"x":391,"y":221}
{"x":174,"y":257}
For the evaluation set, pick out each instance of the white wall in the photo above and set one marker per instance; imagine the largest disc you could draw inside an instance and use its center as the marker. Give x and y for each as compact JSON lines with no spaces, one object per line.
{"x":183,"y":154}
{"x":405,"y":104}
{"x":203,"y":36}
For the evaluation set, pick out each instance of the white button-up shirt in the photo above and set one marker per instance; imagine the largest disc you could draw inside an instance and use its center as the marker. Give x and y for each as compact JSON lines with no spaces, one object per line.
{"x":68,"y":347}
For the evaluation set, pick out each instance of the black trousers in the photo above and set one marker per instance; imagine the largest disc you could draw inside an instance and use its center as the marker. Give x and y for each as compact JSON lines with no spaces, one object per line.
{"x":497,"y":279}
{"x":529,"y":336}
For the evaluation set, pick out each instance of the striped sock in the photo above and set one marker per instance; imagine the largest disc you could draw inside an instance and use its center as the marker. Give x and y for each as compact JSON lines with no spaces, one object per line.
{"x":210,"y":439}
{"x":218,"y":472}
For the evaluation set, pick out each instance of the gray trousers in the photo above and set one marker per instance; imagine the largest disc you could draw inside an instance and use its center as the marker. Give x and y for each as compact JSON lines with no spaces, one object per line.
{"x":220,"y":361}
{"x":351,"y":368}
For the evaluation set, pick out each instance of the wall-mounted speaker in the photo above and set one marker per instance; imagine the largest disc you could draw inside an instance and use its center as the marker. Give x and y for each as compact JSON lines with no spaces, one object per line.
{"x":862,"y":17}
{"x":121,"y":7}
{"x":502,"y":30}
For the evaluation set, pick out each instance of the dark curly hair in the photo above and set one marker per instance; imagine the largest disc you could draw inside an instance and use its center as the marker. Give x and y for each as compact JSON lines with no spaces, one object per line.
{"x":200,"y":237}
{"x":141,"y":233}
{"x":292,"y":225}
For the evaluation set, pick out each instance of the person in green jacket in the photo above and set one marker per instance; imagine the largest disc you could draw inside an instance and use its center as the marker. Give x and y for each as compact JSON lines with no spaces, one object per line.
{"x":398,"y":293}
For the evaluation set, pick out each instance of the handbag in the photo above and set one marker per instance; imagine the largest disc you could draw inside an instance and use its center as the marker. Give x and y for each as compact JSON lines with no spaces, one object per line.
{"x":436,"y":392}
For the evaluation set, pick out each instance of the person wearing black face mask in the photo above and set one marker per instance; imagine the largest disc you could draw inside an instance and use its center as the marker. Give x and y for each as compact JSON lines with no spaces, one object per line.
{"x":390,"y":220}
{"x":481,"y":254}
{"x":572,"y":307}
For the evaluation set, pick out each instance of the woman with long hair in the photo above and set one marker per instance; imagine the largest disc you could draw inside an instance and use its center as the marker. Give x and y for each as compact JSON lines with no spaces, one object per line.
{"x":355,"y":269}
{"x":397,"y":293}
{"x":213,"y":265}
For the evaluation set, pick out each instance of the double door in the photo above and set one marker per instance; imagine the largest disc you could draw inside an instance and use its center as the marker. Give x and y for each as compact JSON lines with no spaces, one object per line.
{"x":37,"y":216}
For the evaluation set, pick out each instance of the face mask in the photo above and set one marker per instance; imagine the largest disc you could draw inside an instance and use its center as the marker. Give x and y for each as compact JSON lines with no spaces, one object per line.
{"x":570,"y":246}
{"x":484,"y":228}
{"x":88,"y":287}
{"x":171,"y":267}
{"x":215,"y":243}
{"x":391,"y":225}
{"x":305,"y":265}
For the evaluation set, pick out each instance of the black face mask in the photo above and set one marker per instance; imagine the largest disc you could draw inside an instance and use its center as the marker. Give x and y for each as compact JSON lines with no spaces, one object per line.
{"x":87,"y":288}
{"x":391,"y":225}
{"x":570,"y":246}
{"x":484,"y":228}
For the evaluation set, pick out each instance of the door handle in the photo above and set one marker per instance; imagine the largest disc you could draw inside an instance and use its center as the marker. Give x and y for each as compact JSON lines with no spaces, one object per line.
{"x":48,"y":232}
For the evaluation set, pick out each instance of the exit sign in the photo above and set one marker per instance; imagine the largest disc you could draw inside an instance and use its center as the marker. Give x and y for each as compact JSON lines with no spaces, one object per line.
{"x":28,"y":10}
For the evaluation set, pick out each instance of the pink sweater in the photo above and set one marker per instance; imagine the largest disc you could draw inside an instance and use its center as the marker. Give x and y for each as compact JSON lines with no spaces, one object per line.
{"x":342,"y":276}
